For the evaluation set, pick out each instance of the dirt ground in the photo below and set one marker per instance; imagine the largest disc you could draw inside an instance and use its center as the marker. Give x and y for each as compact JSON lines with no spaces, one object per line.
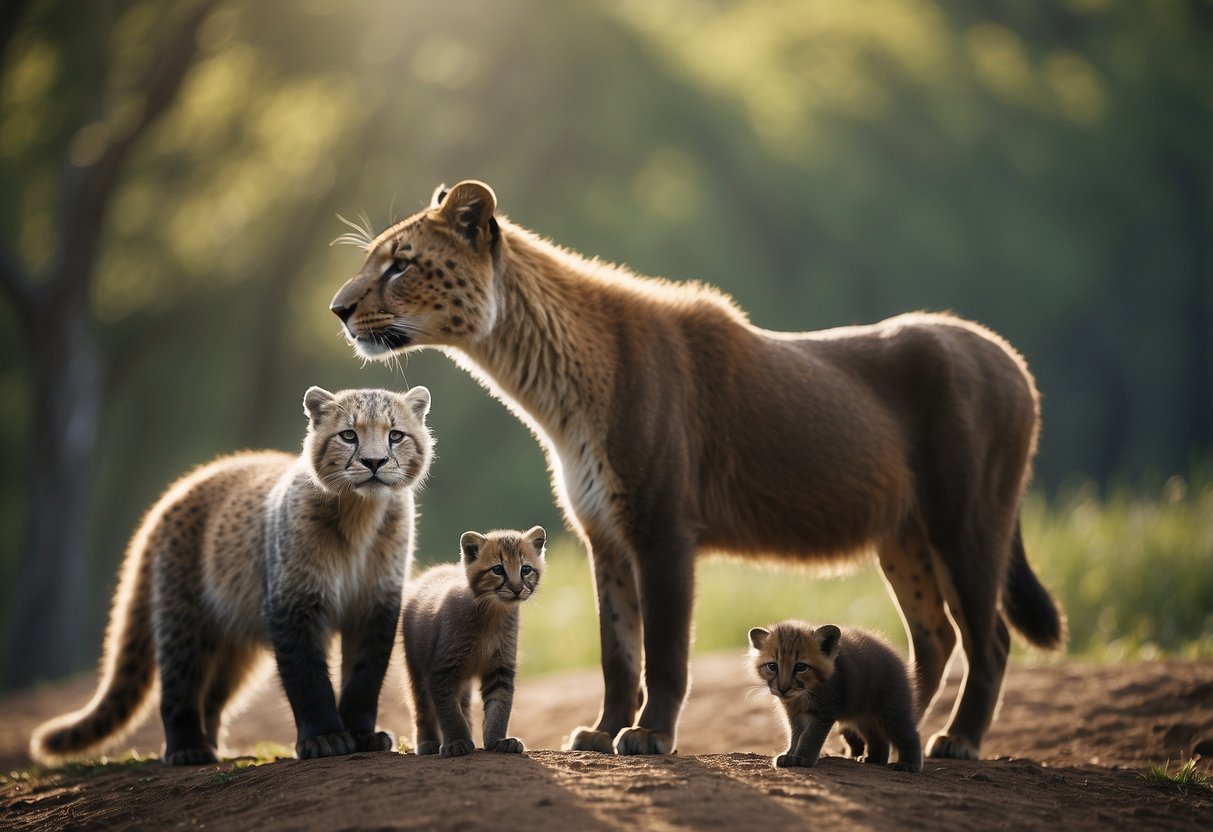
{"x":1065,"y":753}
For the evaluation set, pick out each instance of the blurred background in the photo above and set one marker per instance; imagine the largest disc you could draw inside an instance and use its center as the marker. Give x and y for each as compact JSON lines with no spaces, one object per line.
{"x":170,"y":176}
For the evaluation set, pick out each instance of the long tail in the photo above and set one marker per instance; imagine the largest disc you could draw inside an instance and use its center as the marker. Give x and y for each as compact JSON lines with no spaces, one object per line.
{"x":1027,"y":604}
{"x":128,"y":669}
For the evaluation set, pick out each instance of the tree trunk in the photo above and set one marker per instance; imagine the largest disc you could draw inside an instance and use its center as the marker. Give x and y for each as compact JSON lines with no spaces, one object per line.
{"x":45,"y":637}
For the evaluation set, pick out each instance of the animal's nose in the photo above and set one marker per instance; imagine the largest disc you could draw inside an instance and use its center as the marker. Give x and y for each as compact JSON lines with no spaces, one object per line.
{"x":342,"y":312}
{"x":373,"y":464}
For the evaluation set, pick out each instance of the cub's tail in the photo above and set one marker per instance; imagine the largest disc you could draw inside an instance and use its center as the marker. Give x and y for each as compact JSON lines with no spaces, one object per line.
{"x":1027,"y":604}
{"x":128,"y":669}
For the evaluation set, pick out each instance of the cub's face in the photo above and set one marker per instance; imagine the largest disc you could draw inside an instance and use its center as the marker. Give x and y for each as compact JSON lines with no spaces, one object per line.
{"x":368,"y":442}
{"x":504,"y":566}
{"x":427,"y":280}
{"x":792,"y":658}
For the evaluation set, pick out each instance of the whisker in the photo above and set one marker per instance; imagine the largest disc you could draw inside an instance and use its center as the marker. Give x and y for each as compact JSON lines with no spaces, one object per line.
{"x":361,"y":235}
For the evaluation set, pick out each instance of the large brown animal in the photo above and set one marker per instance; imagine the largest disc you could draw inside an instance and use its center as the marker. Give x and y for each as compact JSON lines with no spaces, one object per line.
{"x":673,"y":426}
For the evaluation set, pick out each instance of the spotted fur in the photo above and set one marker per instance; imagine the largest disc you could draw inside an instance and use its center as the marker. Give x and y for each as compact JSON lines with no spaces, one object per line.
{"x":260,"y":550}
{"x":673,"y":425}
{"x":826,"y":675}
{"x":460,"y":626}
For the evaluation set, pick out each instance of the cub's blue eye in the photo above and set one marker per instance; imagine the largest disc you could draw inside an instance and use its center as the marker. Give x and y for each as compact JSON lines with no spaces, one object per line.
{"x":395,"y":436}
{"x":526,"y":569}
{"x":771,"y":666}
{"x":498,"y":569}
{"x":801,"y":667}
{"x":348,"y":436}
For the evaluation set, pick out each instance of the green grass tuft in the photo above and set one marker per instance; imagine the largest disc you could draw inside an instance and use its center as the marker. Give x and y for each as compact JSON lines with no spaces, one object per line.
{"x":1185,"y":779}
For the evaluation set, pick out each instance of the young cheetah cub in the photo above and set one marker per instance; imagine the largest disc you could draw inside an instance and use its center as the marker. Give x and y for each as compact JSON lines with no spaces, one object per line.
{"x":461,"y":625}
{"x":265,"y":550}
{"x":827,"y":675}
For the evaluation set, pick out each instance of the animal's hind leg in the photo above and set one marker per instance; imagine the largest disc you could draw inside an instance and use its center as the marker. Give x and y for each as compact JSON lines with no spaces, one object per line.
{"x":971,"y":587}
{"x":230,"y":667}
{"x":909,"y":571}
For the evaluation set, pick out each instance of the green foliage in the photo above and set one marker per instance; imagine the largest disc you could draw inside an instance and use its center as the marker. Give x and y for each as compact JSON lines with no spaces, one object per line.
{"x":1185,"y":779}
{"x":1133,"y":575}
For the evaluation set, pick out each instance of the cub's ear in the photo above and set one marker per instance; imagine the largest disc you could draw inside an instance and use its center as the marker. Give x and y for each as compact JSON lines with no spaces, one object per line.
{"x":439,"y":194}
{"x":537,"y":537}
{"x":470,"y":545}
{"x":828,"y":636}
{"x":758,"y":637}
{"x":316,"y":402}
{"x":468,"y":208}
{"x":418,"y":401}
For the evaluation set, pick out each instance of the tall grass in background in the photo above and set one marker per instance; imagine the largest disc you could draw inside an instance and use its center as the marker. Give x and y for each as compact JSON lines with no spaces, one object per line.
{"x":1134,"y":574}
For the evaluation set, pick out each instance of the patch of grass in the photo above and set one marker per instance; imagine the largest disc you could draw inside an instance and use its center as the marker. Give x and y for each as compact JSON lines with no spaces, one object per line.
{"x":1133,"y":572}
{"x":1184,"y":779}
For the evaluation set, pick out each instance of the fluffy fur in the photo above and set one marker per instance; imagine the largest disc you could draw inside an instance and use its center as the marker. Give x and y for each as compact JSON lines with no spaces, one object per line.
{"x":826,"y":675}
{"x":460,"y":626}
{"x":673,"y":425}
{"x":261,"y":550}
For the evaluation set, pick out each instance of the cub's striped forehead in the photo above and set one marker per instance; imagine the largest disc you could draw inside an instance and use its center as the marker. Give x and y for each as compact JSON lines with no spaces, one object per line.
{"x":375,"y":406}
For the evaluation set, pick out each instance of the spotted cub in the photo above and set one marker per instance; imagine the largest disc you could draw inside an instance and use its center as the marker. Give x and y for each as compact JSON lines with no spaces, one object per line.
{"x":825,"y":675}
{"x":461,"y":625}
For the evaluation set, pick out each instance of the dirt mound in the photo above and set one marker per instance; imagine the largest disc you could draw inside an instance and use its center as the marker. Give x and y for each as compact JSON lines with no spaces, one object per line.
{"x":1070,"y":741}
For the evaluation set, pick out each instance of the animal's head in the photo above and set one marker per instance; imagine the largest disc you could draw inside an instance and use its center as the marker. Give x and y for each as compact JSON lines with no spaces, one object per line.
{"x":427,"y":280}
{"x":794,"y":659}
{"x":369,"y":442}
{"x":503,"y":566}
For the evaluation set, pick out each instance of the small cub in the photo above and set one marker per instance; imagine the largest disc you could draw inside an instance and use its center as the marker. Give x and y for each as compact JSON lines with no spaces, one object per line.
{"x":461,"y":624}
{"x":827,"y":675}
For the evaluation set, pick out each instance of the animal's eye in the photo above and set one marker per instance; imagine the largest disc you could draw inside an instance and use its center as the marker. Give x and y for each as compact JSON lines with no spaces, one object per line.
{"x":527,"y":569}
{"x":348,"y":436}
{"x":498,"y":569}
{"x":801,"y":667}
{"x":771,"y":666}
{"x":395,"y":436}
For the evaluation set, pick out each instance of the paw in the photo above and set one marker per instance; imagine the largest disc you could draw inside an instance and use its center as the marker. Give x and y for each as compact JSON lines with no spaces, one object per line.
{"x":457,"y":748}
{"x":907,"y":765}
{"x":637,"y":740}
{"x":509,"y":745}
{"x":374,"y":741}
{"x":792,"y":761}
{"x":191,"y":757}
{"x":952,"y":747}
{"x":325,"y":745}
{"x":427,"y":747}
{"x":587,"y":739}
{"x":854,"y":742}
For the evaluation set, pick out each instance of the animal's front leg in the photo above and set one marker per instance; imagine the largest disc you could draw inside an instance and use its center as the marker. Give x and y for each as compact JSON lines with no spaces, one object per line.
{"x":619,"y":629}
{"x":300,"y":646}
{"x":366,"y":647}
{"x":808,"y":748}
{"x":497,"y":694}
{"x":667,"y":583}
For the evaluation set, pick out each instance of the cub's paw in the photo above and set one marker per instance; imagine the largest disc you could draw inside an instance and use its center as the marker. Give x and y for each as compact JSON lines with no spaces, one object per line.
{"x":509,"y":745}
{"x":325,"y":745}
{"x":457,"y":748}
{"x":427,"y":747}
{"x":374,"y":741}
{"x":637,"y":740}
{"x":792,"y":761}
{"x":952,"y":747}
{"x":191,"y":756}
{"x":854,"y":742}
{"x":907,"y":765}
{"x":587,"y":739}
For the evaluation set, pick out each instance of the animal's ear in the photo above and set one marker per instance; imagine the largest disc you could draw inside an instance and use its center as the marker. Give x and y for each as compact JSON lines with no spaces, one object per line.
{"x":418,"y":401}
{"x":828,"y":636}
{"x":468,"y":209}
{"x":439,"y":194}
{"x":537,"y":537}
{"x":758,"y":637}
{"x":316,"y":402}
{"x":470,"y":545}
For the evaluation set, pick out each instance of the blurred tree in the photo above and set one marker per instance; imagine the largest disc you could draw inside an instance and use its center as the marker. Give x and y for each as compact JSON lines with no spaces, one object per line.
{"x":59,"y":334}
